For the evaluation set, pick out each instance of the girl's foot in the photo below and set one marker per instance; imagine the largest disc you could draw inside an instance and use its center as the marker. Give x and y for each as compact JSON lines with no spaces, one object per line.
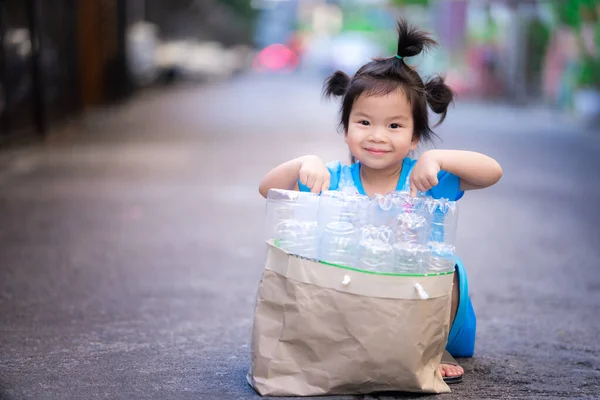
{"x":451,"y":371}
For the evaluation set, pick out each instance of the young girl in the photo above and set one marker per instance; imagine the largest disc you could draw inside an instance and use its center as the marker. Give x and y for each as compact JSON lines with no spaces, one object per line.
{"x":384,"y":116}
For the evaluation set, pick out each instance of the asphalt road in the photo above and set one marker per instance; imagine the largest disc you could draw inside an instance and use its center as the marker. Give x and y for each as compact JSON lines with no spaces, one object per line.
{"x":131,"y":249}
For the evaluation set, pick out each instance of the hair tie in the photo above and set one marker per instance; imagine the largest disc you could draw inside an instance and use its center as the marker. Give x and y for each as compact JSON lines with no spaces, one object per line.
{"x":399,"y":57}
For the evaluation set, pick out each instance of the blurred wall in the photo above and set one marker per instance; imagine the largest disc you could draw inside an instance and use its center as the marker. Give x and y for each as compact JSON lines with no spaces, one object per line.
{"x":20,"y":88}
{"x":58,"y":57}
{"x":101,"y":49}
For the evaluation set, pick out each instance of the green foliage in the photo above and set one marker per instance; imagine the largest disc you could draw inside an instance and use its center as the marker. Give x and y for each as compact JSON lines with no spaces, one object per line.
{"x":567,"y":13}
{"x":573,"y":13}
{"x":400,"y":3}
{"x":241,"y":7}
{"x":538,"y":38}
{"x":589,"y":72}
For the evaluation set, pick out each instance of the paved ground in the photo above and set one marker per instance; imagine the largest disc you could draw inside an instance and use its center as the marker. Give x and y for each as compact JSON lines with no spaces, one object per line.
{"x":131,"y":252}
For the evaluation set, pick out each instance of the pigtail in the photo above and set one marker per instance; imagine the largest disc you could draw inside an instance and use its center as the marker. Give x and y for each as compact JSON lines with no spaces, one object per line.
{"x":336,"y":85}
{"x":411,"y":40}
{"x":439,"y":96}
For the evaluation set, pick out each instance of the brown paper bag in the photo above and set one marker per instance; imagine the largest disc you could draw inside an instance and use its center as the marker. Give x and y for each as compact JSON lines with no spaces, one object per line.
{"x":325,"y":330}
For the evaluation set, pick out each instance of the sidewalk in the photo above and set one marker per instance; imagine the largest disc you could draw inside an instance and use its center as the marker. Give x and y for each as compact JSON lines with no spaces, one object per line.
{"x":131,"y":252}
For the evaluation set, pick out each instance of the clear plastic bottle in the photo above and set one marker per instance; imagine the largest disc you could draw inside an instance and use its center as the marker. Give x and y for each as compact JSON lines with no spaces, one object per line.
{"x":442,"y":257}
{"x":339,"y":241}
{"x":411,"y":228}
{"x":410,"y":258}
{"x":375,"y":251}
{"x":382,"y":210}
{"x":442,"y":218}
{"x":298,"y":237}
{"x":292,"y":221}
{"x":341,"y":218}
{"x":335,"y":206}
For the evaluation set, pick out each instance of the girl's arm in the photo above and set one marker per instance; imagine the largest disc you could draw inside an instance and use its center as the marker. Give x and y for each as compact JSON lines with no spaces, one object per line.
{"x":475,"y":170}
{"x":309,"y":170}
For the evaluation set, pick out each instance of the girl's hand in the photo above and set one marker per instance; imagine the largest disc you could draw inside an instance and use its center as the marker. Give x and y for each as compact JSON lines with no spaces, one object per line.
{"x":314,"y":174}
{"x":424,"y":174}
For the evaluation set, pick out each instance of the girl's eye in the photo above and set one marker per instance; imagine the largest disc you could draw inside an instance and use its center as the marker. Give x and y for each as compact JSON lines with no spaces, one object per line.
{"x":395,"y":126}
{"x":364,"y":123}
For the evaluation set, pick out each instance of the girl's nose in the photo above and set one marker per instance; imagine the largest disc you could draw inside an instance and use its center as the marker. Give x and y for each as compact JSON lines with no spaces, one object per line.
{"x":378,"y":137}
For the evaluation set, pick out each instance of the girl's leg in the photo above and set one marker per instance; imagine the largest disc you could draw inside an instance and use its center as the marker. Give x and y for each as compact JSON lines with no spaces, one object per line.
{"x":461,"y":341}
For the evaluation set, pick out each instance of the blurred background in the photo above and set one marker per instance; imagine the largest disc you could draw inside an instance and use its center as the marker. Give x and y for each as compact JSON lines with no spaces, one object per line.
{"x":133,"y":136}
{"x":59,"y":58}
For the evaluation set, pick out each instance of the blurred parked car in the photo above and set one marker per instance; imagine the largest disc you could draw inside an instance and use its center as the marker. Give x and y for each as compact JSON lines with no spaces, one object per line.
{"x":151,"y":58}
{"x":192,"y":59}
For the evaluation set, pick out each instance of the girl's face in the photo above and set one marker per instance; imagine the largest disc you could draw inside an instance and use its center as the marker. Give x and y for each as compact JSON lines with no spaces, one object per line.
{"x":380,"y":130}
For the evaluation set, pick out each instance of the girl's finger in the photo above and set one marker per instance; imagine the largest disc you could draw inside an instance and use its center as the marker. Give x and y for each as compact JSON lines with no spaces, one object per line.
{"x":310,"y":181}
{"x":433,"y":180}
{"x":303,"y":177}
{"x":413,"y":189}
{"x":325,"y":186}
{"x":316,"y":186}
{"x":421,"y":186}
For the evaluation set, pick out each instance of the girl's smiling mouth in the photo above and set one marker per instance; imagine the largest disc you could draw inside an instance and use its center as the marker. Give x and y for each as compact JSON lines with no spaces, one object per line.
{"x":377,"y":152}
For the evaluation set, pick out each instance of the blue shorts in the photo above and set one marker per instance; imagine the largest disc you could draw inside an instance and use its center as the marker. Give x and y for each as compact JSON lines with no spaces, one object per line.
{"x":461,"y":341}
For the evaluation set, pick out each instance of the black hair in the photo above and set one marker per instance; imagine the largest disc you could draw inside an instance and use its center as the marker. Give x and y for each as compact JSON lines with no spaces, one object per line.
{"x":385,"y":75}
